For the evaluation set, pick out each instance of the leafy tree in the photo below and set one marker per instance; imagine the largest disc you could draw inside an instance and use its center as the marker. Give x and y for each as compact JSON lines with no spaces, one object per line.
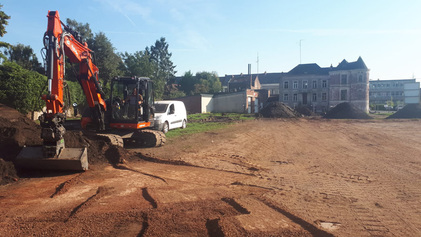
{"x":106,"y":59}
{"x":3,"y":23}
{"x":138,"y":64}
{"x":175,"y":94}
{"x":208,"y":82}
{"x":20,"y":88}
{"x":25,"y":57}
{"x":76,"y":94}
{"x":161,"y":57}
{"x":187,"y":83}
{"x":84,"y":30}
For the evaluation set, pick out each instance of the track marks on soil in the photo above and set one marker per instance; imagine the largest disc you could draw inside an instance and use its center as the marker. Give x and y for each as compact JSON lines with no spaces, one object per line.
{"x":149,"y":198}
{"x":236,"y":205}
{"x":66,"y":185}
{"x":126,"y":167}
{"x":100,"y":192}
{"x":214,"y":228}
{"x":369,"y":221}
{"x":304,"y":224}
{"x":353,"y":178}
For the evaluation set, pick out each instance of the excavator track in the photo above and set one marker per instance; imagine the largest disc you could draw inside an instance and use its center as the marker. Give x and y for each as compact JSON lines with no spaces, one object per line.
{"x":113,"y":139}
{"x":150,"y":138}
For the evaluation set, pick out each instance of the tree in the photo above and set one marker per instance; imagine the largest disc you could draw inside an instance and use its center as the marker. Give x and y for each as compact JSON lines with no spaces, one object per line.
{"x":25,"y":57}
{"x":209,"y":82}
{"x":161,"y":57}
{"x":138,"y":64}
{"x":3,"y":23}
{"x":106,"y":59}
{"x":20,"y":88}
{"x":85,"y":32}
{"x":187,"y":83}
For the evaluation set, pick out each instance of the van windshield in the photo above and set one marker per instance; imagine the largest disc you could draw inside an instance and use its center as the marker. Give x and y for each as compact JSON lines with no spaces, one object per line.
{"x":161,"y":108}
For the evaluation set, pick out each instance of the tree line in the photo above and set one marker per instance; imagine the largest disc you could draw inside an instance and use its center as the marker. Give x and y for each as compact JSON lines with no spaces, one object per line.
{"x":22,"y":79}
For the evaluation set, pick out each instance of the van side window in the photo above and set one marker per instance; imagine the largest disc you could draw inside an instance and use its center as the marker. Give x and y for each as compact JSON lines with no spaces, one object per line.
{"x":172,"y":109}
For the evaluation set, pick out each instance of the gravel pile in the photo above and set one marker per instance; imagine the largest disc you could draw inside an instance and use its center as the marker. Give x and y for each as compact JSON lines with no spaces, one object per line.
{"x":278,"y":110}
{"x":409,"y":111}
{"x":346,"y":111}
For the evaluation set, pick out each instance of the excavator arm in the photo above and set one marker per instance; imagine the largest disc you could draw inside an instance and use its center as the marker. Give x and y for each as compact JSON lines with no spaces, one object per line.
{"x":61,"y":43}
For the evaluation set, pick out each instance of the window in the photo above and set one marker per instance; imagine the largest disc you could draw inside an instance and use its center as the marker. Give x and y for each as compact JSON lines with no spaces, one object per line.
{"x":324,"y":83}
{"x":295,"y":85}
{"x":285,"y":84}
{"x":360,"y":78}
{"x":286,"y":97}
{"x":305,"y":84}
{"x":344,"y":94}
{"x":314,"y":84}
{"x":324,"y":96}
{"x":295,"y":98}
{"x":344,"y":79}
{"x":314,"y":97}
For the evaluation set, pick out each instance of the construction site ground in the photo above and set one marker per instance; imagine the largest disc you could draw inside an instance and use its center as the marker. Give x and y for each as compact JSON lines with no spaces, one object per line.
{"x":266,"y":177}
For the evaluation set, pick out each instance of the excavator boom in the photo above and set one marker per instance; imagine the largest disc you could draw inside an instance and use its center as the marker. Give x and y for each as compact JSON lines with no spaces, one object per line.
{"x":60,"y":42}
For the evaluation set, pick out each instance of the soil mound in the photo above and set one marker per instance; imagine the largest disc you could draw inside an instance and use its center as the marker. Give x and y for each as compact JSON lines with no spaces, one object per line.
{"x":16,"y":131}
{"x":409,"y":111}
{"x":346,"y":111}
{"x":99,"y":148}
{"x":304,"y":110}
{"x":7,"y":172}
{"x":278,"y":110}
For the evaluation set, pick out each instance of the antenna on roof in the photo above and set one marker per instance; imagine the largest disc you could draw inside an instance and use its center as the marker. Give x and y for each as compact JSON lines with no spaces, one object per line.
{"x":257,"y":62}
{"x":300,"y":50}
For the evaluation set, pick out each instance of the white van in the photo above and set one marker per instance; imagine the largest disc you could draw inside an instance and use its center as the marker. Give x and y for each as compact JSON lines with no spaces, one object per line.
{"x":170,"y":114}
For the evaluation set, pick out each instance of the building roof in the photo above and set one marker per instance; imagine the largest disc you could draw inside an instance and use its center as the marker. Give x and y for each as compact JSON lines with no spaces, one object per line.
{"x":270,"y":78}
{"x":243,"y":78}
{"x":344,"y":65}
{"x":309,"y":69}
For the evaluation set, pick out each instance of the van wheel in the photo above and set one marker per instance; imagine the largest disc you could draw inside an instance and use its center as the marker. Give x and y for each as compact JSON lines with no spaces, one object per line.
{"x":165,"y":128}
{"x":183,"y":126}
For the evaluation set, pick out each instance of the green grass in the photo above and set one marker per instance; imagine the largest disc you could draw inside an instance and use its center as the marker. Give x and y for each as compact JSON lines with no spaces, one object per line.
{"x":198,"y":123}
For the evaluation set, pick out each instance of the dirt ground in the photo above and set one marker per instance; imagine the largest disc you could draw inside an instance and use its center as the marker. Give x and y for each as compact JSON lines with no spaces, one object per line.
{"x":268,"y":177}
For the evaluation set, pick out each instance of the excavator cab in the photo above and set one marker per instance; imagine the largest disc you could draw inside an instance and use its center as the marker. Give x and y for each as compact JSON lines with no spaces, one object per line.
{"x":131,"y":99}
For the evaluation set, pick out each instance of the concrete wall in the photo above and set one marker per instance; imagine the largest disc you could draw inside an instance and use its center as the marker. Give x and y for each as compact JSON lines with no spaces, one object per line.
{"x":207,"y":103}
{"x":230,"y":103}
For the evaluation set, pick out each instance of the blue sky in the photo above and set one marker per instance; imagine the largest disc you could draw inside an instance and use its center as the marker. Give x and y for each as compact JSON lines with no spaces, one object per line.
{"x":225,"y":36}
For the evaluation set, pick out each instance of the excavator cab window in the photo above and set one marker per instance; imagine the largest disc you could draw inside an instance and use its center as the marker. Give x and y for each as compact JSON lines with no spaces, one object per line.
{"x":129,"y":98}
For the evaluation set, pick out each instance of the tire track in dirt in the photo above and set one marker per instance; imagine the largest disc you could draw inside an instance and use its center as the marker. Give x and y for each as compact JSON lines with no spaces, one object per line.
{"x":101,"y":191}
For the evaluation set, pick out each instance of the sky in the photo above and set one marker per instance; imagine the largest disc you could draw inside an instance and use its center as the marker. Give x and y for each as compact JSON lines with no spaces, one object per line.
{"x":224,"y":36}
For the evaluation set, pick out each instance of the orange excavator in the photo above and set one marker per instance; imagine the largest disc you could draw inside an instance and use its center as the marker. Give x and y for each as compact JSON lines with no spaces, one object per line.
{"x":118,"y":121}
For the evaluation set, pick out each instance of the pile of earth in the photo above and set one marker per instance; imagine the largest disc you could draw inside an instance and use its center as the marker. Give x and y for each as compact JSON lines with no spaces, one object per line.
{"x":17,"y":131}
{"x":304,"y":110}
{"x":409,"y":111}
{"x":346,"y":111}
{"x":278,"y":110}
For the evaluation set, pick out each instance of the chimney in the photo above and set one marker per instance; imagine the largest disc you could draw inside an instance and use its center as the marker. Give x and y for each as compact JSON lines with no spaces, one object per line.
{"x":249,"y":68}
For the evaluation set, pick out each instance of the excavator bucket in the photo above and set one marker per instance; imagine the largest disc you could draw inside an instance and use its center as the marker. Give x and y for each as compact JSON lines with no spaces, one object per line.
{"x":75,"y":159}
